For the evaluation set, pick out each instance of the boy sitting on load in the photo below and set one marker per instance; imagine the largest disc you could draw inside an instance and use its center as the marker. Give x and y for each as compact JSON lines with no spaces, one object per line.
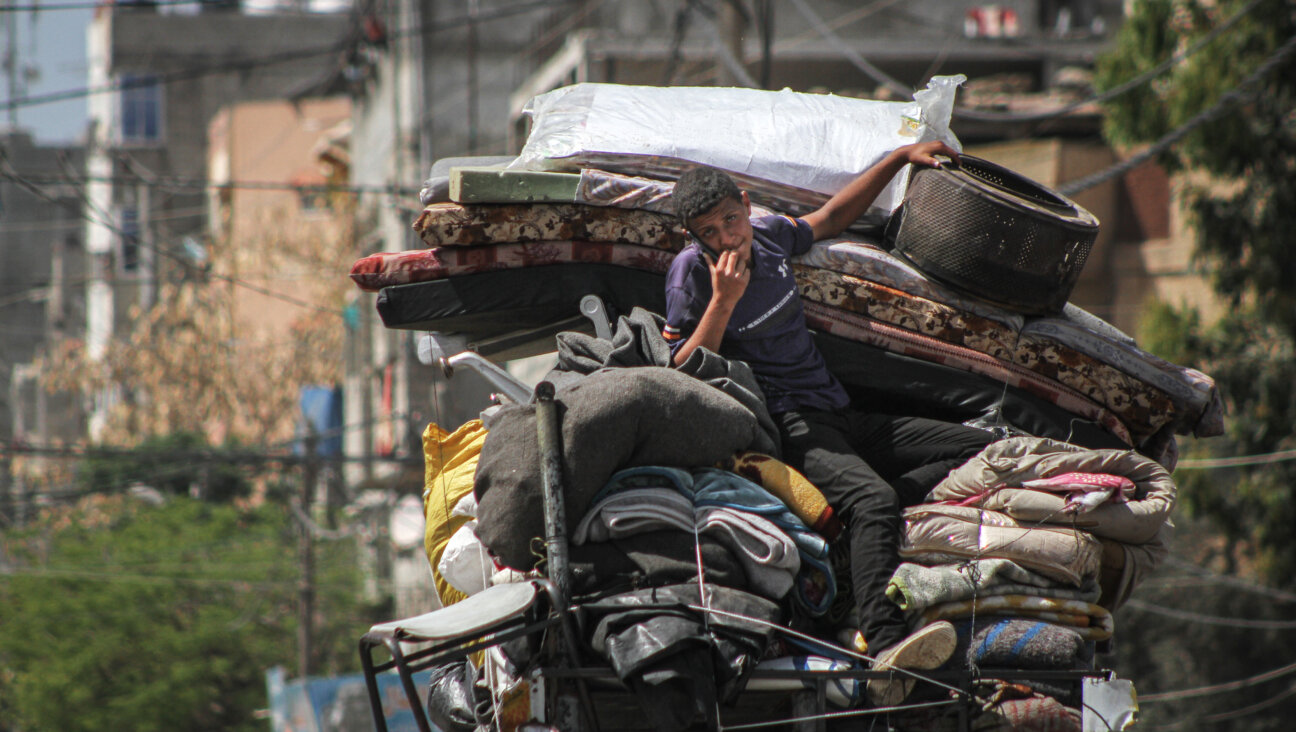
{"x":732,"y":291}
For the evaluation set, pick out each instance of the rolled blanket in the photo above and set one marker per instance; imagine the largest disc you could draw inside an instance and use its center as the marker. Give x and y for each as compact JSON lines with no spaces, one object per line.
{"x":1028,"y":644}
{"x":1091,"y":621}
{"x":794,"y":489}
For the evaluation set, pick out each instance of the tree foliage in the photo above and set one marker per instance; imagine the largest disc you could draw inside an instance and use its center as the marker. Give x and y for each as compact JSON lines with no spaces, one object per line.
{"x":198,"y":362}
{"x":123,"y":615}
{"x":1238,"y":181}
{"x":177,"y":464}
{"x":1235,"y":177}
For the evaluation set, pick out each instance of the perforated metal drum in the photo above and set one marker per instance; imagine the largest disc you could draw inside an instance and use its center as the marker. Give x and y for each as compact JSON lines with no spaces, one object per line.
{"x":995,"y":234}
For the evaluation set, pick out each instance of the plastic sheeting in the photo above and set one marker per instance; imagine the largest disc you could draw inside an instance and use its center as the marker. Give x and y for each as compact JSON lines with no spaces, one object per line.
{"x":814,"y":143}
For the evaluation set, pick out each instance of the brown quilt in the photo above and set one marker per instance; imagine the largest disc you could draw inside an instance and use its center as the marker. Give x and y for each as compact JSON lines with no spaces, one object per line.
{"x":1141,"y":406}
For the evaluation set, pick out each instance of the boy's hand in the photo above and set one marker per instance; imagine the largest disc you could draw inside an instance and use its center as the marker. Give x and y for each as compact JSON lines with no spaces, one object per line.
{"x":924,"y":153}
{"x":729,"y":277}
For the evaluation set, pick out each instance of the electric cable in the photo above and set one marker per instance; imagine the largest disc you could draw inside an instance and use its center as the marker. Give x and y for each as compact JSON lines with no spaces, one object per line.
{"x":1222,"y":105}
{"x":1231,"y":581}
{"x":91,"y":217}
{"x":1218,"y":688}
{"x":1268,"y":458}
{"x":1225,"y":621}
{"x":257,"y":62}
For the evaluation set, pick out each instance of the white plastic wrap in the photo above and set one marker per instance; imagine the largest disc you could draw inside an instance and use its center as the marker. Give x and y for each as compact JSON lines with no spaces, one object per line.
{"x":465,"y":563}
{"x":805,"y":146}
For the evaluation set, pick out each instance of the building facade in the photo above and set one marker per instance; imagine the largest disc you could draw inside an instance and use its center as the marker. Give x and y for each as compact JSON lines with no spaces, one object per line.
{"x":147,"y":158}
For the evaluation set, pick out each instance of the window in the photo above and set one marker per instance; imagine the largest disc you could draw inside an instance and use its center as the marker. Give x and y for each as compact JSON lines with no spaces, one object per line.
{"x":128,"y":245}
{"x":141,"y":108}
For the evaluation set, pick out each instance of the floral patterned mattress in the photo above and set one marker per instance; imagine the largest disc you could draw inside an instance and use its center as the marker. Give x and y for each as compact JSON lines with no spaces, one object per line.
{"x":851,"y":288}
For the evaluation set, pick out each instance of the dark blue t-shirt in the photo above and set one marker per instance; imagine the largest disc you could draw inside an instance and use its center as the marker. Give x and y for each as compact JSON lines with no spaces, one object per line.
{"x":767,"y":329}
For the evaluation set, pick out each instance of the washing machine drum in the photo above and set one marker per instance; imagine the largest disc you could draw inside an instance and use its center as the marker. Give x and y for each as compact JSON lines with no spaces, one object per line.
{"x":992,"y":233}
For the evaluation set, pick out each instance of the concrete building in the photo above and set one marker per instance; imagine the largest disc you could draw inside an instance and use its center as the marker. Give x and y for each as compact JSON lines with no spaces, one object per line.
{"x":41,"y":285}
{"x":147,"y":149}
{"x":41,"y":304}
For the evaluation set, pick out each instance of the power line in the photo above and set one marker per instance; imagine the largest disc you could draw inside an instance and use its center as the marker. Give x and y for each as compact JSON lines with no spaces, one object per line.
{"x":255,"y":62}
{"x":1231,"y":581}
{"x":179,"y":183}
{"x":1218,"y":688}
{"x":1235,"y":462}
{"x":1228,"y":622}
{"x":99,"y":219}
{"x":1222,"y":105}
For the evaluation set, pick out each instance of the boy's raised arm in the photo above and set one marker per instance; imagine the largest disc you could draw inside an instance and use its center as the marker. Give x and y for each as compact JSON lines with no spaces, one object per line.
{"x":851,"y":202}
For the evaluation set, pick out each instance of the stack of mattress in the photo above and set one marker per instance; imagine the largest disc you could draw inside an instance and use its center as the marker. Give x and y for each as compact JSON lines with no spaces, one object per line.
{"x":514,"y":246}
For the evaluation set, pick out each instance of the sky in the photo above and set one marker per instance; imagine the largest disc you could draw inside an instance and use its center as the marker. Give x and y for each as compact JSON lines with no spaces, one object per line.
{"x":55,"y":44}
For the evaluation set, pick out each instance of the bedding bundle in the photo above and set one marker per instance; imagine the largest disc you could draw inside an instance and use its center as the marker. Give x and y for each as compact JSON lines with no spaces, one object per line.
{"x":1028,"y":548}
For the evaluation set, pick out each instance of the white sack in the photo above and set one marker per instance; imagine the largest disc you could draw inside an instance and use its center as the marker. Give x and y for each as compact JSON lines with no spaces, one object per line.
{"x":810,"y":144}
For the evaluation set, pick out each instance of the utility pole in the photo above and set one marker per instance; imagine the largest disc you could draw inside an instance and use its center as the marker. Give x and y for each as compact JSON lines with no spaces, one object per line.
{"x":731,"y":24}
{"x":306,"y":556}
{"x":144,"y":250}
{"x":472,"y":77}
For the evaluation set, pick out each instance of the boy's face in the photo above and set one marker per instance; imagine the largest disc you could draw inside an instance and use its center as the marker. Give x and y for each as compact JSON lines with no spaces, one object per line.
{"x":726,"y":226}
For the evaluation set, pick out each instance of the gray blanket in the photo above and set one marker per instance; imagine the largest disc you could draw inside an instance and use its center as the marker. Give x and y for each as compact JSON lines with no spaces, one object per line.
{"x":637,"y":341}
{"x":612,"y":419}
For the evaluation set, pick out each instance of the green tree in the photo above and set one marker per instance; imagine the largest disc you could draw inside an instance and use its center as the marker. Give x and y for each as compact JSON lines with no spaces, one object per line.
{"x":121,"y":615}
{"x":180,"y":463}
{"x":1237,"y":177}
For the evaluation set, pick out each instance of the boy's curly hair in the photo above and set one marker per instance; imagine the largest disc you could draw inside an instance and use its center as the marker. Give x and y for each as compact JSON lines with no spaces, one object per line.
{"x":699,"y":189}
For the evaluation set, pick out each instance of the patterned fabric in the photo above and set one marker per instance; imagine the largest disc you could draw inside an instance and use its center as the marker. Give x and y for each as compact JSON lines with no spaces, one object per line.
{"x":453,"y":224}
{"x":898,"y":340}
{"x":949,"y":535}
{"x":797,"y":493}
{"x":376,"y":271}
{"x":1092,"y":622}
{"x":1198,"y":405}
{"x":1140,"y":406}
{"x":601,"y":188}
{"x":784,"y":198}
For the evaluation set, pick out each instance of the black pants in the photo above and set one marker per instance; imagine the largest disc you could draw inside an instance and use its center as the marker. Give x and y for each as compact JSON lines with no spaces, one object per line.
{"x":870,"y":467}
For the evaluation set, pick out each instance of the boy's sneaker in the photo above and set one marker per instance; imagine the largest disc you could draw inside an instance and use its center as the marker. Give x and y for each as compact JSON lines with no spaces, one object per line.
{"x":923,"y":650}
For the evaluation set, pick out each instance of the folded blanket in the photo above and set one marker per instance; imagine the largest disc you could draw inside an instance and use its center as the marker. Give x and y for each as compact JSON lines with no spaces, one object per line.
{"x":709,"y":488}
{"x":915,"y":587}
{"x":768,"y":556}
{"x":611,"y":420}
{"x":1090,"y":621}
{"x":1028,"y":644}
{"x":942,"y":534}
{"x":784,"y":482}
